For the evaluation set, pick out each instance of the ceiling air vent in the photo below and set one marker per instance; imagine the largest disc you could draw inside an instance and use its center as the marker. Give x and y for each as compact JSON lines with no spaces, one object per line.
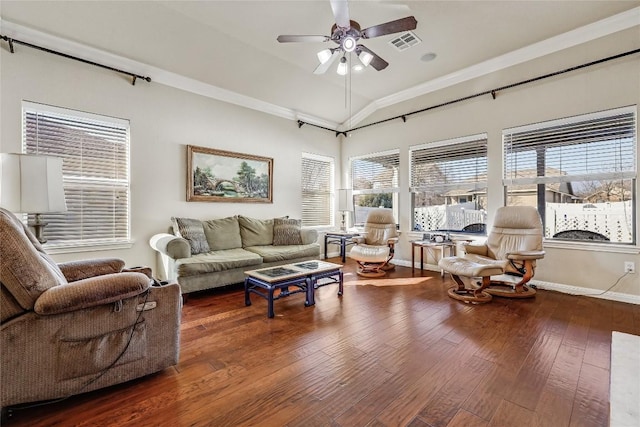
{"x":405,"y":41}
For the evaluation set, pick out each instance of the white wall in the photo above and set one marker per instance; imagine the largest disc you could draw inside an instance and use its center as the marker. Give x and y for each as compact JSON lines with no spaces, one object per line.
{"x":163,"y":122}
{"x":601,"y":87}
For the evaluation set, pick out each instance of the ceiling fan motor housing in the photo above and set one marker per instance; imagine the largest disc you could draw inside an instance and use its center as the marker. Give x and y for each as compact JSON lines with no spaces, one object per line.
{"x":347,"y":38}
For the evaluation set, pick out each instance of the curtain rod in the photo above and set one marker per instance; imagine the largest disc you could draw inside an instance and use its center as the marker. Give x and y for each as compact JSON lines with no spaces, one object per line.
{"x":133,"y":76}
{"x":492,"y":92}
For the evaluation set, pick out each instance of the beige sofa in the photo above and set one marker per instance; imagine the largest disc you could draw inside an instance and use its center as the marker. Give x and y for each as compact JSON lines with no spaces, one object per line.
{"x":201,"y":254}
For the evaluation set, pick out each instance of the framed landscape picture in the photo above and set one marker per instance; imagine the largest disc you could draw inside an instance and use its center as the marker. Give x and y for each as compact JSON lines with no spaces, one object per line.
{"x":225,"y":176}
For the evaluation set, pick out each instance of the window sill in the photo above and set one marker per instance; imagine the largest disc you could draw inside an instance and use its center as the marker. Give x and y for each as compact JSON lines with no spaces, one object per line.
{"x":62,"y":248}
{"x":588,"y":246}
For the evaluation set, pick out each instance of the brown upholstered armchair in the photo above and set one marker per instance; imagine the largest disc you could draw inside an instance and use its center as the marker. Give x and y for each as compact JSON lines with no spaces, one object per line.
{"x":375,"y":248}
{"x":512,"y":248}
{"x":79,"y":326}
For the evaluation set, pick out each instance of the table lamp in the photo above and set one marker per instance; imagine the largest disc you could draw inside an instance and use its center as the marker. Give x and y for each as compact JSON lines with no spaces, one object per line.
{"x":32,"y":184}
{"x":345,"y":204}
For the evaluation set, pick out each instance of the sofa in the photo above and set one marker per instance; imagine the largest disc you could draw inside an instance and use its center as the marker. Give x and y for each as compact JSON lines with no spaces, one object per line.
{"x":78,"y":326}
{"x":205,"y":254}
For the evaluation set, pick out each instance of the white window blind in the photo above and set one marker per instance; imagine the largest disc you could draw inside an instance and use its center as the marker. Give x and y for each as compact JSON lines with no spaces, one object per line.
{"x":595,"y":146}
{"x":375,"y":173}
{"x":95,"y":153}
{"x":579,"y":172}
{"x":317,"y":190}
{"x":459,"y":163}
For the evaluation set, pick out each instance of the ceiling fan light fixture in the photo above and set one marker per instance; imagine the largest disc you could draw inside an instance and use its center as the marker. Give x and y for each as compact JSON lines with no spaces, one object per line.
{"x":365,"y":58}
{"x":343,"y":68}
{"x":349,"y":44}
{"x":324,"y":55}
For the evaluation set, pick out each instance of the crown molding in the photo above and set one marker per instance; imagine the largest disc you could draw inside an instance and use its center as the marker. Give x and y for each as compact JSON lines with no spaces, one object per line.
{"x":587,"y":33}
{"x":158,"y":75}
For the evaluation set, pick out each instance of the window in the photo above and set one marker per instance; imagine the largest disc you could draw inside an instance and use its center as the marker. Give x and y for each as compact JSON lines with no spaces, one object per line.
{"x":317,"y":190}
{"x":580,"y":173}
{"x":375,"y":183}
{"x":449,"y":184}
{"x":95,"y":153}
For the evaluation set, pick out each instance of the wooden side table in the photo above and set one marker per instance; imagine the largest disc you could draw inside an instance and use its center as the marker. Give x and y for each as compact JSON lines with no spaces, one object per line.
{"x":431,"y":247}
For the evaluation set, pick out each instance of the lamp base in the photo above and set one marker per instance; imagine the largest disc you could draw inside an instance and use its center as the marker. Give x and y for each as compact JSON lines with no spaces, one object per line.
{"x":343,"y":226}
{"x":38,"y":227}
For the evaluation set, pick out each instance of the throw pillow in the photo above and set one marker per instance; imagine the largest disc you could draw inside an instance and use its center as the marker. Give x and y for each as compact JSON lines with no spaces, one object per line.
{"x":223,"y":233}
{"x":255,"y":232}
{"x":286,"y":232}
{"x":193,"y":232}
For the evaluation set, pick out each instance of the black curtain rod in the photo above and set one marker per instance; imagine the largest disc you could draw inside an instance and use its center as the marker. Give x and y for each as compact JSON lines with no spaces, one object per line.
{"x":300,"y":123}
{"x":133,"y":76}
{"x":492,"y":92}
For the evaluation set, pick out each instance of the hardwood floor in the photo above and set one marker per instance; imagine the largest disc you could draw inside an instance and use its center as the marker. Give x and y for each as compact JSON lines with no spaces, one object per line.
{"x":389,"y":352}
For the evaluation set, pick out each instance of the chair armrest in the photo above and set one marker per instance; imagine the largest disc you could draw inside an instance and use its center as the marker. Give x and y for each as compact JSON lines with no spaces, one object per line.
{"x":78,"y":270}
{"x":392,"y":241}
{"x":525,"y":255}
{"x":172,"y":246}
{"x":358,"y":240}
{"x":91,"y":292}
{"x":476,"y":249}
{"x":308,"y":235}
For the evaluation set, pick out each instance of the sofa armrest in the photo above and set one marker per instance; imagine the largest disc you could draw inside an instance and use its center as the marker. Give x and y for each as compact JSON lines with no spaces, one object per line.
{"x":172,"y":246}
{"x":308,"y":235}
{"x":525,"y":255}
{"x":91,"y":292}
{"x":78,"y":270}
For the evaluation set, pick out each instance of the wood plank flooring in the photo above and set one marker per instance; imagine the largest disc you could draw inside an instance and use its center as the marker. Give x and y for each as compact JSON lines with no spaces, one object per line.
{"x":389,"y":352}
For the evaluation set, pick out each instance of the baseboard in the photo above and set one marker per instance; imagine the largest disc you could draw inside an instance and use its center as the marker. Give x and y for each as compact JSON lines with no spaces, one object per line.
{"x":550,"y":286}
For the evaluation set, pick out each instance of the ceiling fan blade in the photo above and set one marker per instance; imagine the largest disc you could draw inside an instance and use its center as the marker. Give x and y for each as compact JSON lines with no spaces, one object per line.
{"x":377,"y":62}
{"x":322,"y":68}
{"x":289,"y":39}
{"x":340,"y":10}
{"x":399,"y":25}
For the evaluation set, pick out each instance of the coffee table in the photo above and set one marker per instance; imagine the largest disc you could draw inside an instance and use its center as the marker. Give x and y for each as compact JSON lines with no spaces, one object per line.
{"x":302,"y":276}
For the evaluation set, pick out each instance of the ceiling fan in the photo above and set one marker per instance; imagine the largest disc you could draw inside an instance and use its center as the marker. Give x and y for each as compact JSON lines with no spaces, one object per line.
{"x":346,"y":34}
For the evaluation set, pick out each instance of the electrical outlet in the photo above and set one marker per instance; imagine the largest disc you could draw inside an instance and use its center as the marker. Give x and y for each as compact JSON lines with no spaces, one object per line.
{"x":629,"y":267}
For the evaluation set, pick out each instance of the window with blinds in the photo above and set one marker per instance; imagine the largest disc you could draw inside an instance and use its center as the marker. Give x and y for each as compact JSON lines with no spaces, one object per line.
{"x":95,"y":153}
{"x":580,"y":173}
{"x":374,"y":179}
{"x":449,"y":184}
{"x":317,"y":190}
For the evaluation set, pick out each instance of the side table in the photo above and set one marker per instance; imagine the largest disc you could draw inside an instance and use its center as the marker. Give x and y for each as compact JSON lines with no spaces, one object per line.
{"x":343,"y":239}
{"x":430,"y":247}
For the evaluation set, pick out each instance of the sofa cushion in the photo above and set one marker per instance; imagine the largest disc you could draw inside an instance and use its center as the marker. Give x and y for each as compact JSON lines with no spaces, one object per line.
{"x":255,"y":232}
{"x":223,"y":233}
{"x":217,"y":261}
{"x":282,"y":253}
{"x":286,"y":232}
{"x":192,"y":231}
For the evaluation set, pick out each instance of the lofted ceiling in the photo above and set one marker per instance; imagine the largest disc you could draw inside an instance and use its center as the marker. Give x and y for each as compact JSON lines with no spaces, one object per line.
{"x":232,"y":44}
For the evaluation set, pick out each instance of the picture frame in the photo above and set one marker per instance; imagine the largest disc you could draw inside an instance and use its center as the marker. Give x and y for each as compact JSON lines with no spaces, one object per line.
{"x":226,"y":176}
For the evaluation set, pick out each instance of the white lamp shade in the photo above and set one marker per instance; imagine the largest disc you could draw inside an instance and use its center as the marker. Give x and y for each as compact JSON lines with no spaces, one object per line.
{"x":324,"y":55}
{"x":343,"y":68}
{"x":365,"y":58}
{"x":345,"y":200}
{"x":31,"y":183}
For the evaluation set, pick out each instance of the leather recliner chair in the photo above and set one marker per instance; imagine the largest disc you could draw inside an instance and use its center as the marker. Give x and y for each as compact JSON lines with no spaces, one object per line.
{"x":375,"y":248}
{"x":512,"y":248}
